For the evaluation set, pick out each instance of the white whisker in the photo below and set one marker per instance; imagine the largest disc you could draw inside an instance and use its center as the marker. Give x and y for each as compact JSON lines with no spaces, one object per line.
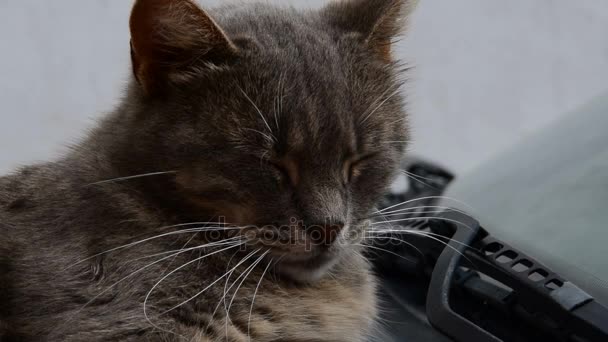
{"x":409,"y":219}
{"x":210,"y":285}
{"x":397,"y":121}
{"x":211,"y":244}
{"x":223,"y":299}
{"x":369,"y":109}
{"x":422,"y":199}
{"x":279,"y":101}
{"x":421,"y":233}
{"x":380,"y":105}
{"x":415,"y":178}
{"x":183,"y":247}
{"x":422,"y":207}
{"x":397,"y":239}
{"x":253,"y":300}
{"x":129,"y":276}
{"x":266,"y":136}
{"x":120,"y":179}
{"x":224,"y":242}
{"x":226,"y":292}
{"x":259,"y":112}
{"x":414,"y":213}
{"x":245,"y":274}
{"x":175,"y":270}
{"x":386,"y":251}
{"x":183,"y":231}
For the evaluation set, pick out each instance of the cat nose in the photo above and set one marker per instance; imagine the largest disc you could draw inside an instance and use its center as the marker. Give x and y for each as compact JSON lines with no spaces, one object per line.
{"x":325,"y":234}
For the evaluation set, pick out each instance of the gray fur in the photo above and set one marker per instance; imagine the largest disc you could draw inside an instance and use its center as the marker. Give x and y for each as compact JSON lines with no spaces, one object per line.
{"x":323,"y":94}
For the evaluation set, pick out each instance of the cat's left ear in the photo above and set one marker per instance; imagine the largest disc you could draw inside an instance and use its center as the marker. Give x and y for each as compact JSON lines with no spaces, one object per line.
{"x":171,"y":38}
{"x":378,"y":21}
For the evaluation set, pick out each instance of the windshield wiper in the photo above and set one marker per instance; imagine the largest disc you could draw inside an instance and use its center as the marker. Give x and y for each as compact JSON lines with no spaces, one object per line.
{"x":481,"y":289}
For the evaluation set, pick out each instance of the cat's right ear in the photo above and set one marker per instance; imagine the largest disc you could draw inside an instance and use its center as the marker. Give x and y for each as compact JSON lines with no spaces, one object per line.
{"x":172,"y":38}
{"x":378,"y":22}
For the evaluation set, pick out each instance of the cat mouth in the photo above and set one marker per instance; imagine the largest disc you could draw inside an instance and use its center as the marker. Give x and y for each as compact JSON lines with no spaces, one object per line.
{"x":312,"y":261}
{"x":303,"y":258}
{"x":307,"y":268}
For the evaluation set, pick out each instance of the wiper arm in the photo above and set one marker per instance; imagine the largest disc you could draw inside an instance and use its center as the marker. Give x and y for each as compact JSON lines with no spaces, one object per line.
{"x":502,"y":278}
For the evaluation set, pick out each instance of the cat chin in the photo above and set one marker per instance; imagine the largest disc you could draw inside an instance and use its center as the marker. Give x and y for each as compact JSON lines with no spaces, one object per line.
{"x":309,"y":271}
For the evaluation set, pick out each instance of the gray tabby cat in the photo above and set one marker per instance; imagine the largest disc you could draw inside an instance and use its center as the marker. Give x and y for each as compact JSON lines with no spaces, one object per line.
{"x":226,"y":197}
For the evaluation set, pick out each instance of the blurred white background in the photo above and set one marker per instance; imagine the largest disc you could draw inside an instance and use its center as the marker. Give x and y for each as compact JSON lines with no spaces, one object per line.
{"x":487,"y":72}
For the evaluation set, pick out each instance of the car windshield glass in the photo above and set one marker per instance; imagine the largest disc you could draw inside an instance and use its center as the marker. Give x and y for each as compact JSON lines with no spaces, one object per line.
{"x":548,"y":196}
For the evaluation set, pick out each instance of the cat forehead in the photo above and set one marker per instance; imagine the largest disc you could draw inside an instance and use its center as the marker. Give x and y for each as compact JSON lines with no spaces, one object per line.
{"x":298,"y":74}
{"x":279,"y":31}
{"x":265,"y":21}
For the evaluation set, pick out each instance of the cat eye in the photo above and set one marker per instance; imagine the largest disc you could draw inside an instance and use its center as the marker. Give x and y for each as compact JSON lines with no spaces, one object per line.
{"x":286,"y":170}
{"x":353,"y":166}
{"x":281,"y":174}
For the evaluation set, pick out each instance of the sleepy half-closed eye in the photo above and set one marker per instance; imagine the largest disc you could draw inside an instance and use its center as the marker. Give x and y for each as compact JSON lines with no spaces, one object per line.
{"x":286,"y":170}
{"x":280,"y":172}
{"x":250,"y":147}
{"x":354,"y":166}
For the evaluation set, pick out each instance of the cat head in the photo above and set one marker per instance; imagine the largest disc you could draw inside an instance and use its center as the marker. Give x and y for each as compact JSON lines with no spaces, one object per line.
{"x":290,"y":122}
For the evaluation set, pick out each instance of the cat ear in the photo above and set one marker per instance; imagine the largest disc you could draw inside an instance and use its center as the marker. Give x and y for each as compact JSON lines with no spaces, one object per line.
{"x":171,"y":37}
{"x":378,"y":21}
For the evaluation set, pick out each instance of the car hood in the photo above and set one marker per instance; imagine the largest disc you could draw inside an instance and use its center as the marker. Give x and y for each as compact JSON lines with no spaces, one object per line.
{"x":548,"y":196}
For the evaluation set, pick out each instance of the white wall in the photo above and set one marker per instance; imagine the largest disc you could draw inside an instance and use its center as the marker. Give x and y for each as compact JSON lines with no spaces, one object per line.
{"x":487,"y":72}
{"x":492,"y":71}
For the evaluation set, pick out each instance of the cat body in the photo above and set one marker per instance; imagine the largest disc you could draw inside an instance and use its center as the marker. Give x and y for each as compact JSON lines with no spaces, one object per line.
{"x":49,"y":223}
{"x":166,"y":222}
